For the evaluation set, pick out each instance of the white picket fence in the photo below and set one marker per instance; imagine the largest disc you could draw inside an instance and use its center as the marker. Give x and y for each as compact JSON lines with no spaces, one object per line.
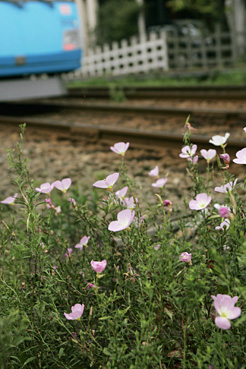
{"x":162,"y":52}
{"x":135,"y":57}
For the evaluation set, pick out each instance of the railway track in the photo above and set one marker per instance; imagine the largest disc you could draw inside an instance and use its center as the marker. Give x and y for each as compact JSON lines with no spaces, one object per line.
{"x":192,"y":92}
{"x":111,"y":134}
{"x":51,"y":105}
{"x":63,"y":118}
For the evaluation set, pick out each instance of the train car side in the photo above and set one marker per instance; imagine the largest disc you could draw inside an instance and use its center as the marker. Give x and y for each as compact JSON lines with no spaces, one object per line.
{"x":38,"y":37}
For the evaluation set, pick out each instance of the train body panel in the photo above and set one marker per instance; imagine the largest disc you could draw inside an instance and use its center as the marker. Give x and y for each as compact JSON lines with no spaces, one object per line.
{"x":39,"y":37}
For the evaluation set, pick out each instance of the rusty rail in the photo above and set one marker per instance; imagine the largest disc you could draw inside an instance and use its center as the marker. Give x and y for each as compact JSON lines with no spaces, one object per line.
{"x":84,"y":132}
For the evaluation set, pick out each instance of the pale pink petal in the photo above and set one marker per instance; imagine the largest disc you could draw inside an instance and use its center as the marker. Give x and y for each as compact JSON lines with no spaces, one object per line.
{"x":115,"y":226}
{"x":78,"y":307}
{"x":120,"y":148}
{"x":45,"y":188}
{"x":77,"y":311}
{"x":63,"y":185}
{"x":201,"y":201}
{"x":125,"y":217}
{"x":234,"y":313}
{"x":68,"y":316}
{"x":108,"y":182}
{"x":98,"y":266}
{"x":241,"y":157}
{"x":84,"y":240}
{"x":188,"y":151}
{"x":219,"y":140}
{"x":222,"y":323}
{"x":193,"y":205}
{"x":100,"y":184}
{"x":121,"y":193}
{"x":112,"y":178}
{"x":185,"y":257}
{"x":160,"y":182}
{"x":58,"y":185}
{"x":154,"y":172}
{"x":208,"y":154}
{"x":9,"y":200}
{"x":66,"y":182}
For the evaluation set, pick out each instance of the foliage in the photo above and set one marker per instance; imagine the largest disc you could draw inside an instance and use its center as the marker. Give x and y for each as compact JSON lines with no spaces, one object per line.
{"x":147,"y":308}
{"x":211,"y":8}
{"x":215,"y":78}
{"x":117,"y":20}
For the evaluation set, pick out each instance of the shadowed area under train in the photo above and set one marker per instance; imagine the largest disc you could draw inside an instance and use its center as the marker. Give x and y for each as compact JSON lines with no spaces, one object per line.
{"x":15,"y":109}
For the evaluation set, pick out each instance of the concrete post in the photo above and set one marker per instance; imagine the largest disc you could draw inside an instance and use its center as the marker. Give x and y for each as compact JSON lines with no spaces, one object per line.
{"x":236,"y":16}
{"x":141,"y":22}
{"x":92,"y":6}
{"x":82,"y":18}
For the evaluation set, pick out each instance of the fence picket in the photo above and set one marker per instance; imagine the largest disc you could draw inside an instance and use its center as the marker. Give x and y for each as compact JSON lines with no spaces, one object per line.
{"x":161,"y":51}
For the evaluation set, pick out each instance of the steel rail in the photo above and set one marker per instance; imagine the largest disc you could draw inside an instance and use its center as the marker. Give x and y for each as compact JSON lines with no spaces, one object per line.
{"x":111,"y":134}
{"x":194,"y":112}
{"x":191,"y":92}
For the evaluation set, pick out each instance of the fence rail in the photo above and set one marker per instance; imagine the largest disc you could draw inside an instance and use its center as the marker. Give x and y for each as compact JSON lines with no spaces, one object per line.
{"x":162,"y":51}
{"x":127,"y":58}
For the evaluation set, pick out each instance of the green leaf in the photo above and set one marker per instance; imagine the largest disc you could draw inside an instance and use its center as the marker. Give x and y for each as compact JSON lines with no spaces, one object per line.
{"x":29,"y":360}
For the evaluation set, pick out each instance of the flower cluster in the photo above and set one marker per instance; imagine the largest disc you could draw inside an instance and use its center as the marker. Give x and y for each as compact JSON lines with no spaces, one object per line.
{"x":132,"y":266}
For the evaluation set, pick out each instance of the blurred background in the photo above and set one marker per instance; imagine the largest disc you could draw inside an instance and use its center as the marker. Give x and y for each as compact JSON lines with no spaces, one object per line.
{"x":146,"y":35}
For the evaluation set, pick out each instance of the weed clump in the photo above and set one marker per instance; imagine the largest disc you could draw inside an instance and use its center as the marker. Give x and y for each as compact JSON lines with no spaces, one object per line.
{"x":109,"y":284}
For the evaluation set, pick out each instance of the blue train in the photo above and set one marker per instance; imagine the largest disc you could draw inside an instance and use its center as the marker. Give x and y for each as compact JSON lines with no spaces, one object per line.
{"x":37,"y":38}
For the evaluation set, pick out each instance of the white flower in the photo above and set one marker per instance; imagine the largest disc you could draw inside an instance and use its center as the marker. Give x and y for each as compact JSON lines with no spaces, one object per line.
{"x":219,"y":140}
{"x":224,"y":225}
{"x":154,"y":172}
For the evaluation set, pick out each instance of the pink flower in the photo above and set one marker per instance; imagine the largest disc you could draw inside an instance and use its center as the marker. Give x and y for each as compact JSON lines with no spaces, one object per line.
{"x":63,"y":185}
{"x":226,"y":158}
{"x":154,"y":172}
{"x":193,"y":160}
{"x":49,"y":203}
{"x":57,"y":209}
{"x":224,"y":306}
{"x":167,"y":203}
{"x":156,"y":247}
{"x":121,"y":193}
{"x":124,"y":219}
{"x":188,"y":152}
{"x":241,"y":157}
{"x":77,"y":311}
{"x":108,"y":182}
{"x":90,"y":285}
{"x":120,"y":148}
{"x":83,"y":242}
{"x":130,"y":202}
{"x":45,"y":188}
{"x":228,"y":187}
{"x":201,"y":202}
{"x":189,"y":127}
{"x":160,"y":182}
{"x":224,"y":212}
{"x":9,"y":200}
{"x":219,"y":140}
{"x":185,"y":257}
{"x":223,"y":225}
{"x":72,"y":201}
{"x":208,"y":154}
{"x":139,"y":221}
{"x":69,"y":251}
{"x":98,"y":266}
